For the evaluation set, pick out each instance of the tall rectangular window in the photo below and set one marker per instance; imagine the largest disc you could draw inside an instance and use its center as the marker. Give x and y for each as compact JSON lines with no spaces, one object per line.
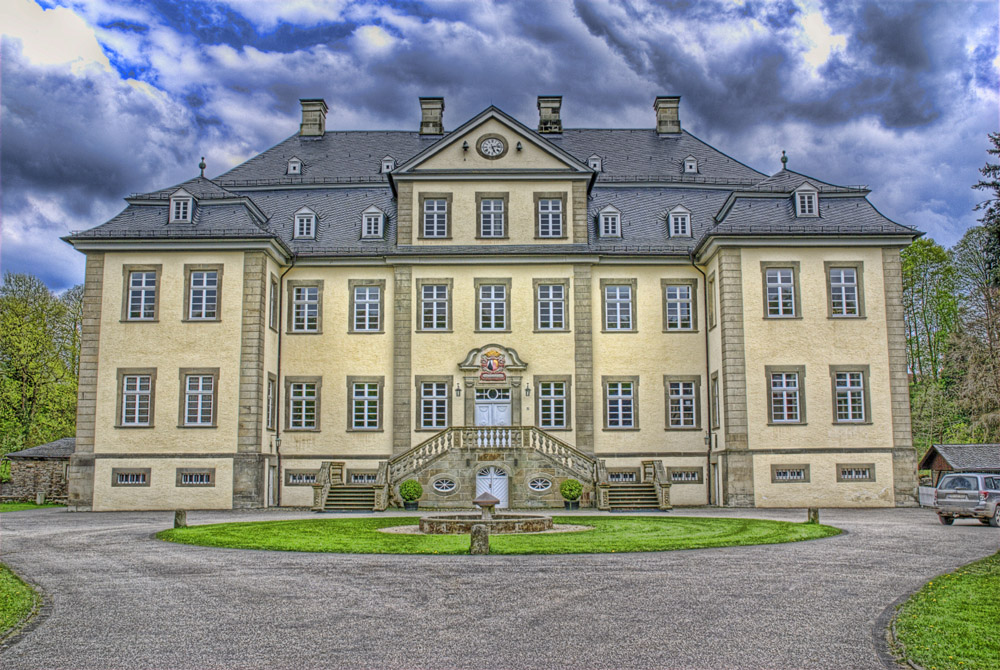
{"x":678,"y":305}
{"x":434,"y":307}
{"x":203,"y":296}
{"x":844,"y":292}
{"x":784,"y":397}
{"x":620,"y":408}
{"x":849,"y":389}
{"x":305,"y":226}
{"x":372,"y":225}
{"x":610,"y":224}
{"x":305,"y":309}
{"x":365,"y":405}
{"x":551,"y":307}
{"x":142,"y":296}
{"x":550,"y":217}
{"x":272,"y":313}
{"x":780,"y":284}
{"x":137,"y":397}
{"x":303,"y":403}
{"x":272,"y":402}
{"x":806,"y":204}
{"x":711,"y":301}
{"x":680,"y":225}
{"x":434,"y":405}
{"x":491,"y":217}
{"x":552,"y":409}
{"x":715,"y":400}
{"x":367,"y":304}
{"x":199,"y":400}
{"x":492,"y":307}
{"x":681,"y":405}
{"x":435,"y":217}
{"x":618,"y":307}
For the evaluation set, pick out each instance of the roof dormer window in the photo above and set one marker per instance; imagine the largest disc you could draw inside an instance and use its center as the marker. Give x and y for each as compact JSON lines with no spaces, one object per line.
{"x":679,"y":222}
{"x":372,"y":223}
{"x":609,"y":222}
{"x":806,"y":202}
{"x":181,"y":207}
{"x":388,"y":164}
{"x":690,"y":165}
{"x":305,"y":224}
{"x":595,"y":163}
{"x":294,"y":166}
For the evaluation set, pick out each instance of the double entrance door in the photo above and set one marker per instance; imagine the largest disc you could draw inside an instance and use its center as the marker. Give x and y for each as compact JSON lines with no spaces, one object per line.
{"x":492,"y":407}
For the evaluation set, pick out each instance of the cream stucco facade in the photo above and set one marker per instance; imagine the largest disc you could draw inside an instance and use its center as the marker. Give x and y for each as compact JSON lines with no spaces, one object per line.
{"x":543,"y":318}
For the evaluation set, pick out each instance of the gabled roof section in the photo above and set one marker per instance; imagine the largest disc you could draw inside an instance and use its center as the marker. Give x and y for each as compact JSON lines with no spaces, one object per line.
{"x":200,"y":188}
{"x":787,"y":181}
{"x":492,"y":112}
{"x":59,"y":449}
{"x":964,"y":457}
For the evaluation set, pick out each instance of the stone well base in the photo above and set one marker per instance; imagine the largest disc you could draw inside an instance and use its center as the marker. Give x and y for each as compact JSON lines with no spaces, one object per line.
{"x":457,"y":524}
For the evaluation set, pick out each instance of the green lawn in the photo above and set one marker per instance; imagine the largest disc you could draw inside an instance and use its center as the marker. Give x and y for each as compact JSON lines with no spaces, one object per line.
{"x":954,"y":621}
{"x":609,"y":534}
{"x":16,"y":599}
{"x":20,"y":507}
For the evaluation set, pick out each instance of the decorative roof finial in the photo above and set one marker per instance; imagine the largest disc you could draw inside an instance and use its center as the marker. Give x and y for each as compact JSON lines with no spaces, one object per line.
{"x":784,"y":160}
{"x":202,"y":166}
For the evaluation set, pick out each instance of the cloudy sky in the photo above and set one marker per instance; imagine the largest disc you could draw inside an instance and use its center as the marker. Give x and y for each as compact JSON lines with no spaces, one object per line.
{"x":102,"y":98}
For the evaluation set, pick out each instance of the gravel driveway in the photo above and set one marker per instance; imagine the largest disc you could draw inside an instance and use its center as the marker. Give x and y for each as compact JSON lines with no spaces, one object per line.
{"x":121,"y":599}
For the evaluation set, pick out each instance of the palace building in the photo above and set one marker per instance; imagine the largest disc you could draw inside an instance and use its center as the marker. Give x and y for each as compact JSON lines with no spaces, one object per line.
{"x":494,"y":308}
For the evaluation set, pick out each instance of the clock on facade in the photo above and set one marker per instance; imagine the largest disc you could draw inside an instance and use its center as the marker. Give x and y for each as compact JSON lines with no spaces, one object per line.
{"x":491,"y":146}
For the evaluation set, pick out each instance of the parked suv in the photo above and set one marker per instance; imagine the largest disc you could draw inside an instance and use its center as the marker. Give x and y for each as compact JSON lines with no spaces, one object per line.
{"x":968,"y":495}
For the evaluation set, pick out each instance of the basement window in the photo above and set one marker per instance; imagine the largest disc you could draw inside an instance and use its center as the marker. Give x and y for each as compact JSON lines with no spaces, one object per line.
{"x":789,"y":474}
{"x":130,"y":476}
{"x":195,"y":477}
{"x":621,"y":477}
{"x":300,"y":477}
{"x":363,"y":477}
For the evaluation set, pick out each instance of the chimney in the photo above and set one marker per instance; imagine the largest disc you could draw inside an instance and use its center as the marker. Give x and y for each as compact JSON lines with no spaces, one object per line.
{"x":313,"y":117}
{"x":548,"y":114}
{"x":668,"y":120}
{"x":431,"y":116}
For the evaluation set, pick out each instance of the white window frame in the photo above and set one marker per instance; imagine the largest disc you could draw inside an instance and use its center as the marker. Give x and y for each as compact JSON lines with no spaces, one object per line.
{"x":434,"y":307}
{"x":434,"y":218}
{"x":271,"y":400}
{"x":620,"y":404}
{"x":618,"y":307}
{"x":181,"y":207}
{"x":610,"y":222}
{"x":492,"y":307}
{"x":849,"y":400}
{"x":844,"y":301}
{"x":680,"y":306}
{"x":595,"y":163}
{"x":690,"y":165}
{"x":372,"y":223}
{"x":491,"y":210}
{"x":550,"y":217}
{"x":682,"y":404}
{"x":304,"y":224}
{"x":367,"y":317}
{"x":785,"y":397}
{"x":303,"y":405}
{"x":780,"y":287}
{"x":137,"y":400}
{"x":142,"y":284}
{"x":388,"y":164}
{"x":806,"y":202}
{"x":553,"y":404}
{"x":434,"y":399}
{"x":366,"y":398}
{"x":203,"y":298}
{"x":679,"y":222}
{"x":305,"y":309}
{"x":294,"y":166}
{"x":199,"y":400}
{"x":551,"y":299}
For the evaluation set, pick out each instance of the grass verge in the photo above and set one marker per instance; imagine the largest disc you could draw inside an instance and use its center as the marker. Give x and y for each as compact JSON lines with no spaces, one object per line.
{"x":21,"y":506}
{"x":608,"y":535}
{"x":954,"y":620}
{"x":17,"y":599}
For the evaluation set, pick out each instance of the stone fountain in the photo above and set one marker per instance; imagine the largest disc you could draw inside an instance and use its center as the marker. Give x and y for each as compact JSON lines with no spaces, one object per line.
{"x":505,"y":523}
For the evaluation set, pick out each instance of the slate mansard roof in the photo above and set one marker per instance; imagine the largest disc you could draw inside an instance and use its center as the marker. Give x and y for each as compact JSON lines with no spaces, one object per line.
{"x":642,"y":176}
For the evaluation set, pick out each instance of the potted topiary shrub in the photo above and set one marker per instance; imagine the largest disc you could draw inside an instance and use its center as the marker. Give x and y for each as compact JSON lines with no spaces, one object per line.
{"x":571,"y":491}
{"x":410,"y":491}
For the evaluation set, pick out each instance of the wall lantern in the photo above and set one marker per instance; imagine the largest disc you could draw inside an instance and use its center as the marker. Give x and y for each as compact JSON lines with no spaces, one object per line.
{"x":465,"y":146}
{"x":458,"y":391}
{"x":527,"y":390}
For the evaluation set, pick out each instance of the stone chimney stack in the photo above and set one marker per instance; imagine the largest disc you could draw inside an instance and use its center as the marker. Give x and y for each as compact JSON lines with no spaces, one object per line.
{"x":668,"y":119}
{"x":548,"y":114}
{"x":313,"y":117}
{"x":431,"y":116}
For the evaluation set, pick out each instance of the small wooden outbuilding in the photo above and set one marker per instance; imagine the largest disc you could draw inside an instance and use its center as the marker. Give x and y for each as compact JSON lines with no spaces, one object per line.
{"x":42,"y":469}
{"x":944,"y":458}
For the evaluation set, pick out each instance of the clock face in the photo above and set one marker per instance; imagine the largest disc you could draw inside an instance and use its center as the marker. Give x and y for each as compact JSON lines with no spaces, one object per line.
{"x":492,"y":147}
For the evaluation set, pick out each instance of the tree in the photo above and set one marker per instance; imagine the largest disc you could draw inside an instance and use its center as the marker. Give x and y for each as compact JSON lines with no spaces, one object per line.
{"x":991,"y":210}
{"x":39,"y":349}
{"x":930,"y":306}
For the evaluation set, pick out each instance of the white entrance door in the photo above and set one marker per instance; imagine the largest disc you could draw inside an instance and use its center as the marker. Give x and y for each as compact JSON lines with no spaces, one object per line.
{"x":492,"y":480}
{"x":492,"y":407}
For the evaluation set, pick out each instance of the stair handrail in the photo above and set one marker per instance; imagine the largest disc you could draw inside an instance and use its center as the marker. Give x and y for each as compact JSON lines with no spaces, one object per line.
{"x":602,"y":485}
{"x":578,"y":461}
{"x":322,"y":485}
{"x":381,"y":487}
{"x":662,"y":484}
{"x":409,"y":461}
